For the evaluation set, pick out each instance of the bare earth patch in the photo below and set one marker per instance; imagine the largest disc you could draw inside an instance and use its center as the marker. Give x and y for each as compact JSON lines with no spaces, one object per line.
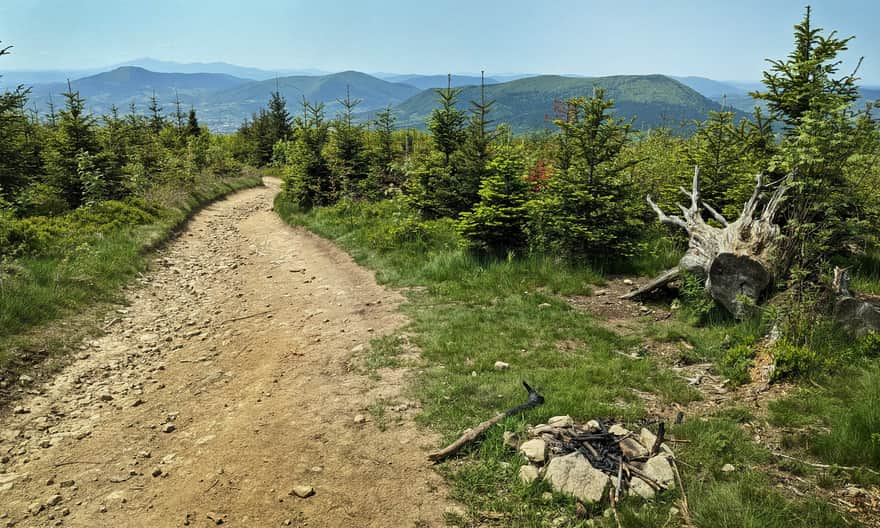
{"x":220,"y":389}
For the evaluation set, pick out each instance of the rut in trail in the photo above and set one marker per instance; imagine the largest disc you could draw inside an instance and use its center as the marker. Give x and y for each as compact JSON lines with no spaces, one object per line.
{"x":228,"y":378}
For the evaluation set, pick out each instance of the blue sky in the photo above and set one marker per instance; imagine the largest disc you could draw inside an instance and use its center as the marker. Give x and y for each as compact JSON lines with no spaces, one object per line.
{"x":721,"y":40}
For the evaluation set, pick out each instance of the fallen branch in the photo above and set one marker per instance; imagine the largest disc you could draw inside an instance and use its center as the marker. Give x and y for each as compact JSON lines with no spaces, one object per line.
{"x":533,"y":401}
{"x":665,"y":278}
{"x":685,"y":508}
{"x":827,"y":466}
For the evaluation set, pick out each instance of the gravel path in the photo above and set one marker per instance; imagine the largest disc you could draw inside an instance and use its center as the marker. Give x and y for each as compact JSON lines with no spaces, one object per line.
{"x":222,"y":386}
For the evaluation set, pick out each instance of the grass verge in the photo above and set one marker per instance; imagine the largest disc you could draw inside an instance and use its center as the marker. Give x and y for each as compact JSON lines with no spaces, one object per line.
{"x":467,"y":312}
{"x":52,"y":299}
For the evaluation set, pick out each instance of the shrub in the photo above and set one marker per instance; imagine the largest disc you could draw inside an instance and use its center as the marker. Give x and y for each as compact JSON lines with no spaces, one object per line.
{"x":791,"y":360}
{"x":736,"y":363}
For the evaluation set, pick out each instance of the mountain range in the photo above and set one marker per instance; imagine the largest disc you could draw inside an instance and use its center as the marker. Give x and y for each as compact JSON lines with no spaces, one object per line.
{"x":224,"y":95}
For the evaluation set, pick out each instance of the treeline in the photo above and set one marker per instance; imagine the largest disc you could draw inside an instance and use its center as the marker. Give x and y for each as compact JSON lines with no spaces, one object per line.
{"x":580,"y":191}
{"x":59,"y":168}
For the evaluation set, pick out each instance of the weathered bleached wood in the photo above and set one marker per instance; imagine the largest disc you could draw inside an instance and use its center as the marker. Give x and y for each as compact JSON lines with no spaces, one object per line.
{"x":739,"y":260}
{"x":662,"y":280}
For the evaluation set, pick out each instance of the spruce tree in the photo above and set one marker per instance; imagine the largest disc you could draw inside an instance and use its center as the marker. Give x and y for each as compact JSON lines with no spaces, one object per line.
{"x":496,"y":224}
{"x":279,"y":118}
{"x":447,"y":122}
{"x":308,"y":180}
{"x":192,"y":124}
{"x":18,"y":157}
{"x":75,"y":135}
{"x":821,"y":134}
{"x":591,"y":208}
{"x":476,"y":147}
{"x":157,"y":120}
{"x":349,"y":160}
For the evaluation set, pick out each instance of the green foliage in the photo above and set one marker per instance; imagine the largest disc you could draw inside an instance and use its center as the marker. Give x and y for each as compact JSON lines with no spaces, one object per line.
{"x":74,"y":135}
{"x":497,"y":223}
{"x":719,"y":148}
{"x":348,"y":149}
{"x":840,"y":414}
{"x":792,"y":360}
{"x":736,"y":363}
{"x":694,"y":297}
{"x":591,"y":208}
{"x":447,"y":123}
{"x":308,"y":180}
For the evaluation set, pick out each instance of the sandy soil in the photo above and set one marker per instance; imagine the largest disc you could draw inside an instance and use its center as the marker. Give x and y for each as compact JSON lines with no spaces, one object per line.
{"x":226,"y":382}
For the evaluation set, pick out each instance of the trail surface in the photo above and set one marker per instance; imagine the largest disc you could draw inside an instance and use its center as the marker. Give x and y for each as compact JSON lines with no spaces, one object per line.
{"x":224,"y":384}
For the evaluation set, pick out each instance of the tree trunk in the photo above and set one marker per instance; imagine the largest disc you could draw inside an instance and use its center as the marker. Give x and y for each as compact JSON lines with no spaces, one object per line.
{"x":739,"y":260}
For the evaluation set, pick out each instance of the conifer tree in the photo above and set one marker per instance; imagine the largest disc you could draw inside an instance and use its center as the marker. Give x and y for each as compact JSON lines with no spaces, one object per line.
{"x":178,"y":114}
{"x":192,"y":124}
{"x":157,"y":120}
{"x":447,"y":122}
{"x":476,"y":147}
{"x":384,"y":154}
{"x":75,"y":135}
{"x":308,"y":180}
{"x":496,"y":224}
{"x":279,"y":117}
{"x":18,"y":157}
{"x":822,"y":132}
{"x":349,"y":160}
{"x":591,"y":208}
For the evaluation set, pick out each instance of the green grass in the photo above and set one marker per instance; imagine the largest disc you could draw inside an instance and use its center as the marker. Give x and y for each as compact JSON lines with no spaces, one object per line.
{"x":40,"y":289}
{"x":468,"y":312}
{"x":837,"y":419}
{"x":865,"y":273}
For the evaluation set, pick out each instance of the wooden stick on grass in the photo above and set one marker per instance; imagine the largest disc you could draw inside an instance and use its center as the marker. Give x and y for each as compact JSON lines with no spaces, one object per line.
{"x":533,"y":401}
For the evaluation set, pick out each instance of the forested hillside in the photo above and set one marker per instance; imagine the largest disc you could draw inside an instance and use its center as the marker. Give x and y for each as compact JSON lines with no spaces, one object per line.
{"x":529,"y":104}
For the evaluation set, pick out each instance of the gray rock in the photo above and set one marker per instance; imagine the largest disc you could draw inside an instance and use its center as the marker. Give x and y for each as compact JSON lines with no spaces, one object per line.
{"x":572,"y":474}
{"x":528,"y":473}
{"x":168,"y":428}
{"x":632,"y":448}
{"x":561,"y":421}
{"x":359,"y":418}
{"x":641,"y":488}
{"x":535,"y":450}
{"x":53,"y":500}
{"x":647,"y":438}
{"x":618,"y":430}
{"x":36,"y":507}
{"x":659,"y":469}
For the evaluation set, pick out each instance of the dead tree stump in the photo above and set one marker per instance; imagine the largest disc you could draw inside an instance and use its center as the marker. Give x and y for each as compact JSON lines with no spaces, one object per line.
{"x":739,"y":260}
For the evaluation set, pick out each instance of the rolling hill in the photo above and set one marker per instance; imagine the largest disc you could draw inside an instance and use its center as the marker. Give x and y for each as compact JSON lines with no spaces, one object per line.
{"x":128,"y":84}
{"x":374,"y":93}
{"x":425,"y":82}
{"x":527,"y":104}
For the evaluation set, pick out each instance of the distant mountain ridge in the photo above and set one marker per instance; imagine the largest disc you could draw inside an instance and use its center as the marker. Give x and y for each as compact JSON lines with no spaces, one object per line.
{"x":372,"y":92}
{"x":129,"y":84}
{"x":223,"y":101}
{"x":528,"y":104}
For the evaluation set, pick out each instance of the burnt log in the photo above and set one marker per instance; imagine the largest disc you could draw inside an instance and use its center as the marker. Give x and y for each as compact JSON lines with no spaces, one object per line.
{"x":737,"y":261}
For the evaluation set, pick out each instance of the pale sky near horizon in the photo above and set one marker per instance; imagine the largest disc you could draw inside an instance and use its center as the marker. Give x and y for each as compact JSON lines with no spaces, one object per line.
{"x":720,"y":40}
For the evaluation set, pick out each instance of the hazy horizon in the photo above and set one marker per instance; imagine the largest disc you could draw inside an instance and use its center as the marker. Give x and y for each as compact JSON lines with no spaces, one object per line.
{"x":680,"y":38}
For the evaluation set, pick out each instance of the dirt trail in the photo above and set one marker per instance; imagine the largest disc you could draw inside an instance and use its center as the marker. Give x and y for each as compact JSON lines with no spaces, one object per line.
{"x":228,"y":377}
